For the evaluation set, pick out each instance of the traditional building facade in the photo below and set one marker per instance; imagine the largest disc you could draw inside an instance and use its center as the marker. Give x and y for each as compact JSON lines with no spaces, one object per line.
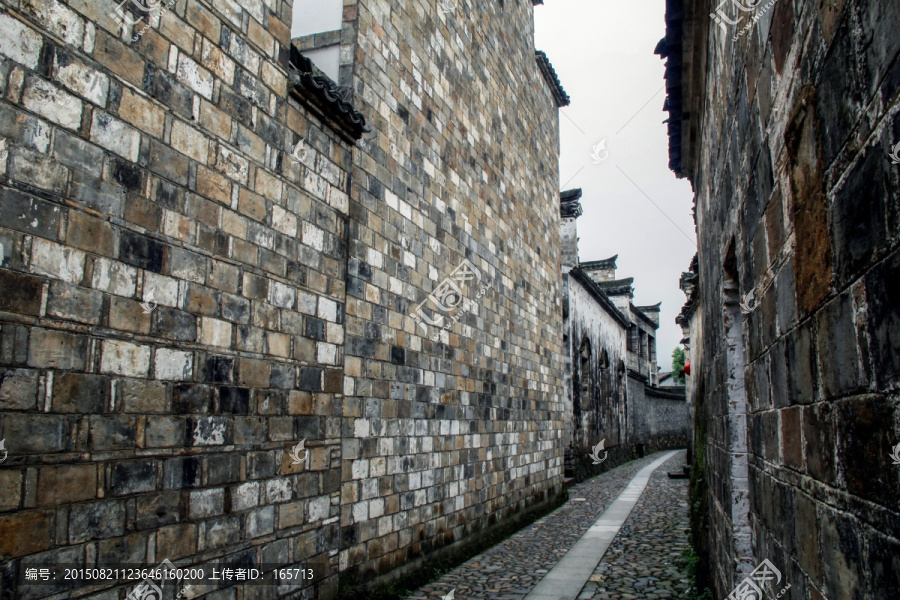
{"x":611,"y":380}
{"x":263,"y":308}
{"x":785,"y":117}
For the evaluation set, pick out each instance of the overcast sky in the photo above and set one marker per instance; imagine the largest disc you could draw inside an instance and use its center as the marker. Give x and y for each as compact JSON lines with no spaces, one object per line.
{"x":602,"y":51}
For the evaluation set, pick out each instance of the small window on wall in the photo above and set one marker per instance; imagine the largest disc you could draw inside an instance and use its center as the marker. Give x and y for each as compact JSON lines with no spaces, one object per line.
{"x":316,"y":31}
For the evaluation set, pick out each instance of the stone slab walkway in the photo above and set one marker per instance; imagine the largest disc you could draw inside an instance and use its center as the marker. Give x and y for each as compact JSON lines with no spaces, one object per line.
{"x":512,"y":569}
{"x":644,"y":559}
{"x":565,"y":580}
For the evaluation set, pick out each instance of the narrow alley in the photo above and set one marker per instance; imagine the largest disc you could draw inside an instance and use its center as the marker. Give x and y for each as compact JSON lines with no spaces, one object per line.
{"x":449,"y":300}
{"x":645,"y":559}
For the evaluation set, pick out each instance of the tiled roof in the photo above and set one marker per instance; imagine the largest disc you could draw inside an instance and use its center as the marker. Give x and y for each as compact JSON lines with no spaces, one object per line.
{"x":635,"y":310}
{"x":670,"y":48}
{"x":322,"y":96}
{"x":594,"y":265}
{"x":653,"y":308}
{"x":617,"y":286}
{"x":569,"y":205}
{"x":599,"y":295}
{"x":547,"y":70}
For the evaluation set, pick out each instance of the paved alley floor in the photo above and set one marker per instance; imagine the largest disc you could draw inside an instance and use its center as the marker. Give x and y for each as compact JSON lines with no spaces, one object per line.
{"x":641,"y":561}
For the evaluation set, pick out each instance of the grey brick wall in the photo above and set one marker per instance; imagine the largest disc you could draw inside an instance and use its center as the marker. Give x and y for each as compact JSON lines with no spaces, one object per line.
{"x":464,"y":166}
{"x":797,"y":201}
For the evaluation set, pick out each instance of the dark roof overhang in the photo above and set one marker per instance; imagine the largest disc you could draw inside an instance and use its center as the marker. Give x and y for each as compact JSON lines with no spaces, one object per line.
{"x":643,"y":317}
{"x":683,"y":48}
{"x":549,"y":73}
{"x":322,"y":96}
{"x":594,"y":290}
{"x":569,"y":205}
{"x":596,"y":265}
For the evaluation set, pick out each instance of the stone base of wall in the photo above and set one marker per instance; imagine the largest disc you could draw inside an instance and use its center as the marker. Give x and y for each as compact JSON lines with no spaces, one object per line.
{"x":416,"y":572}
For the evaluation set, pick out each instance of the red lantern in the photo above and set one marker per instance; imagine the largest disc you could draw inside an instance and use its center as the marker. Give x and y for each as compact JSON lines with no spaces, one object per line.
{"x":687,"y":368}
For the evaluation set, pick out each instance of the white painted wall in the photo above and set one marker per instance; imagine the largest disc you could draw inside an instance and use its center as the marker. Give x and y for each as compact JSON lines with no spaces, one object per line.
{"x":316,"y":16}
{"x":328,"y":59}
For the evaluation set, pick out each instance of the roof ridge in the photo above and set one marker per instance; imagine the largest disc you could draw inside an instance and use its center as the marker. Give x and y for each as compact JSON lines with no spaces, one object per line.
{"x":549,"y":73}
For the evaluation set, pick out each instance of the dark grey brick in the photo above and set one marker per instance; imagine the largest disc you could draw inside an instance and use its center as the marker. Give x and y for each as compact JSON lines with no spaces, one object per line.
{"x":182,"y":472}
{"x":315,"y":328}
{"x":233,"y":400}
{"x":883,"y":294}
{"x":310,"y":379}
{"x":191,"y":399}
{"x":157,"y":510}
{"x":838,"y":346}
{"x":174,"y":324}
{"x":98,"y":195}
{"x":283,"y":376}
{"x":132,"y":477}
{"x":223,"y":468}
{"x":219,"y":369}
{"x":113,"y":432}
{"x":28,"y":214}
{"x":260,"y":465}
{"x":74,"y":152}
{"x":74,"y":303}
{"x":96,"y":520}
{"x":141,"y":251}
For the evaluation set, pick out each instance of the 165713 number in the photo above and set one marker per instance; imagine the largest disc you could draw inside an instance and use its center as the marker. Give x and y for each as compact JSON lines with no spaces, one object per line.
{"x":295,"y":573}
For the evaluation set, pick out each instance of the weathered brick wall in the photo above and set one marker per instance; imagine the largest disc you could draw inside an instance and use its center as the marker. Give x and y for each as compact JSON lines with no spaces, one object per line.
{"x":667,"y":412}
{"x":798,"y":200}
{"x":605,"y":401}
{"x":156,"y":170}
{"x":638,"y":424}
{"x":278,"y":295}
{"x":448,"y":432}
{"x":600,"y":415}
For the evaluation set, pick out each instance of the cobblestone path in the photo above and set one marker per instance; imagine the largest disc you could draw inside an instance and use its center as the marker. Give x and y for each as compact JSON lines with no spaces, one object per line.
{"x":643,"y":561}
{"x":511,"y":569}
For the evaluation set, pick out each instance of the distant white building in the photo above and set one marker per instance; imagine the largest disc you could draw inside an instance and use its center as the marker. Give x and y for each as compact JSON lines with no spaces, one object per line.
{"x":612,"y":379}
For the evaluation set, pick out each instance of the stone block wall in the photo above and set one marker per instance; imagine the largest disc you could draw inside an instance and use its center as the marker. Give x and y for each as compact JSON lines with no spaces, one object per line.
{"x":797,"y":204}
{"x":183,"y":302}
{"x":449,"y":429}
{"x":173,"y":293}
{"x":667,"y":412}
{"x":593,"y":331}
{"x":605,"y":401}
